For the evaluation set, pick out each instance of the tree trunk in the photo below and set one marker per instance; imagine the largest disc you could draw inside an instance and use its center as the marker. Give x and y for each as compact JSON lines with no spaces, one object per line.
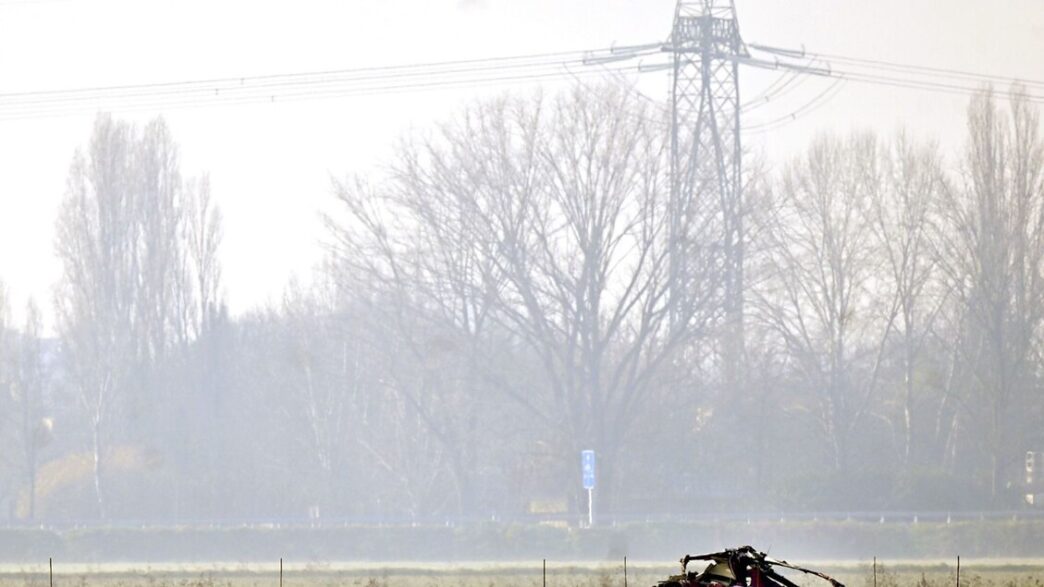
{"x":96,"y":447}
{"x":908,"y":395}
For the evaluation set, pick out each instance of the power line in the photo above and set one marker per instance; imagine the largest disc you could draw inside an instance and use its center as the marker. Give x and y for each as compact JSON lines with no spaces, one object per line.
{"x":927,"y":70}
{"x":842,"y":76}
{"x":815,"y":103}
{"x":270,"y":84}
{"x":794,"y":81}
{"x":921,"y":84}
{"x":883,"y":74}
{"x":303,"y":95}
{"x":558,"y":56}
{"x":785,"y":79}
{"x":892,"y":74}
{"x":294,"y":86}
{"x":4,"y":3}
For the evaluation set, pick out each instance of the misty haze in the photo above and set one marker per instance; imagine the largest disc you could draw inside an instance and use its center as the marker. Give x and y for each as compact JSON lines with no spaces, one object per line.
{"x":479,"y":292}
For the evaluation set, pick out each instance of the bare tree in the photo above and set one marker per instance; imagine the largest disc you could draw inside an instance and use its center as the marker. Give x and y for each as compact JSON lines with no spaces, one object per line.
{"x":420,"y":275}
{"x":123,"y":272}
{"x":821,"y":298}
{"x":904,"y":217}
{"x":158,"y":203}
{"x":97,"y":245}
{"x":548,"y":218}
{"x":8,"y":376}
{"x":994,"y":260}
{"x":204,"y":233}
{"x":35,"y":428}
{"x":318,"y":371}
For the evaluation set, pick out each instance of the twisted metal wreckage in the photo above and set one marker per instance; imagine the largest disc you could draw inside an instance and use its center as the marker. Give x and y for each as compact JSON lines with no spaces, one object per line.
{"x":739,"y":566}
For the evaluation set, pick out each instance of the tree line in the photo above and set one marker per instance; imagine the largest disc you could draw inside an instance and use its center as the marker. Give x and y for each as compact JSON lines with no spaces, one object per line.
{"x":509,"y":290}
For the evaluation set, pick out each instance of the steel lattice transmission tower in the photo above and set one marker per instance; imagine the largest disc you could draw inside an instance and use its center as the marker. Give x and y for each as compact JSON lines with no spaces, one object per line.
{"x":706,"y":156}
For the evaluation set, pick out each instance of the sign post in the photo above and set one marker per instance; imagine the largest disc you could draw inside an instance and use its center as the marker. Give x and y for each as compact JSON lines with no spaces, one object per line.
{"x":587,"y":468}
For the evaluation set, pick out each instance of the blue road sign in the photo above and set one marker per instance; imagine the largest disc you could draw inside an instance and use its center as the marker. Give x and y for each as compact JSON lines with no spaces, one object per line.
{"x":587,"y":467}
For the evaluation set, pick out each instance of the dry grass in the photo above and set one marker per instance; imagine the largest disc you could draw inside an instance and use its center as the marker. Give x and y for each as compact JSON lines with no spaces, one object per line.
{"x":484,"y":575}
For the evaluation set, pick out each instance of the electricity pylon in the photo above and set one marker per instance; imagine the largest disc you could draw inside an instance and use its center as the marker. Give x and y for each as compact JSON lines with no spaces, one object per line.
{"x":706,"y":157}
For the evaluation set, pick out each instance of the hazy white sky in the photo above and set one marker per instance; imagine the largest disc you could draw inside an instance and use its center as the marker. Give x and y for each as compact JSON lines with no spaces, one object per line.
{"x":271,"y":164}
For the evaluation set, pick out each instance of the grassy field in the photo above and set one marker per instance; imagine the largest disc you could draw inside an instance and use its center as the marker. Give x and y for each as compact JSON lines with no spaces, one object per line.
{"x":913,"y":574}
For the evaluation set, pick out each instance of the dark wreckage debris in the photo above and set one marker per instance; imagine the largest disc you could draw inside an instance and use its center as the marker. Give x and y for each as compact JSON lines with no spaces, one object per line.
{"x":739,"y":566}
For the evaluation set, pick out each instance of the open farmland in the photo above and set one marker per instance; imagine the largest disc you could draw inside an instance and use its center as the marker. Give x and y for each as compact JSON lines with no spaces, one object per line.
{"x":995,"y":573}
